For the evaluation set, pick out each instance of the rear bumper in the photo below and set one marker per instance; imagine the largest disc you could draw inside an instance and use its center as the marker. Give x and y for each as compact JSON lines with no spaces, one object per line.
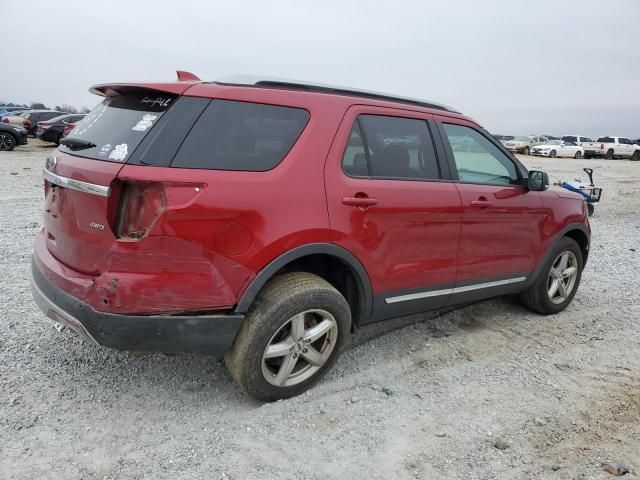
{"x":203,"y":334}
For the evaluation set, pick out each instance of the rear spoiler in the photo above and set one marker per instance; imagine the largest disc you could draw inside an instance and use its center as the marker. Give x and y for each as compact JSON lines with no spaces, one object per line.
{"x":185,"y":81}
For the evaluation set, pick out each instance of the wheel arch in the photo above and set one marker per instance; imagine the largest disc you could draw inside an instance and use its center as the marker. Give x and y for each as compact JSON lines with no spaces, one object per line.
{"x":324,"y":260}
{"x":575,"y":231}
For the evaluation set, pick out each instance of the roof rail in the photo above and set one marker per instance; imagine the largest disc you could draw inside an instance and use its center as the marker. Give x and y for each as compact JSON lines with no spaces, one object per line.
{"x":249,"y":80}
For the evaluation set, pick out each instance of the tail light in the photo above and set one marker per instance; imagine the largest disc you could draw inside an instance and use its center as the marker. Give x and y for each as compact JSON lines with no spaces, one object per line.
{"x":28,"y":123}
{"x":602,"y":146}
{"x":5,"y":120}
{"x":141,"y":205}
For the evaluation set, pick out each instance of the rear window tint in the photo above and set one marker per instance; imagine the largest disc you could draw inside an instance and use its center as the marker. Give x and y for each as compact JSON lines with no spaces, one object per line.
{"x":231,"y":135}
{"x":606,"y":140}
{"x":117,"y":125}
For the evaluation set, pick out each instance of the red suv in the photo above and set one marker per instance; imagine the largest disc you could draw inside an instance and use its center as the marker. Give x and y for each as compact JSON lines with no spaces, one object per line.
{"x":266,"y":222}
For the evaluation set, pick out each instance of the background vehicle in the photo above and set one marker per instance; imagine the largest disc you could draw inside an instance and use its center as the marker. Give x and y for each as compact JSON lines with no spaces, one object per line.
{"x":32,"y":117}
{"x":254,"y":221}
{"x":503,"y":138}
{"x":7,"y":111}
{"x":523,"y":144}
{"x":52,"y":130}
{"x":558,"y":148}
{"x":591,"y":149}
{"x":618,"y":147}
{"x":11,"y":135}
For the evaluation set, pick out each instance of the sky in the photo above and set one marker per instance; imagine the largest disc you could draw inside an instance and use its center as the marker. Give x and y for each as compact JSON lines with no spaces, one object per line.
{"x":517,"y":67}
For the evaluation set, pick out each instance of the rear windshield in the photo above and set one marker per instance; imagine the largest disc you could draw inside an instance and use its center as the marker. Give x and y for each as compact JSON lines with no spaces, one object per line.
{"x":113,"y":129}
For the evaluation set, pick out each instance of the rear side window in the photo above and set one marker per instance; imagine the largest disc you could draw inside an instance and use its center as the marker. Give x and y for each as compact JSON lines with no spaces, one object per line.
{"x":606,"y":140}
{"x":390,"y":147}
{"x":113,"y":129}
{"x":231,"y":135}
{"x":569,"y":138}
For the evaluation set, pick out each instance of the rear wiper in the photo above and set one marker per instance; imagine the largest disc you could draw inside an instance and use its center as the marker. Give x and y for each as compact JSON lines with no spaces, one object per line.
{"x":77,"y":143}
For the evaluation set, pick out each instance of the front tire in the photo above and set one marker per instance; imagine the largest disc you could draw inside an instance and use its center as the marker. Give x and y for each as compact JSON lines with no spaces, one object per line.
{"x":636,"y":155}
{"x":526,"y":151}
{"x":7,"y":142}
{"x":558,"y":280}
{"x":553,"y":154}
{"x":290,"y":338}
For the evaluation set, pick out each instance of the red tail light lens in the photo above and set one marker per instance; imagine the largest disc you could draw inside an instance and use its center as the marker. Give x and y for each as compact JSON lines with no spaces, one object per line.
{"x":28,"y":122}
{"x":141,"y":205}
{"x":5,"y":120}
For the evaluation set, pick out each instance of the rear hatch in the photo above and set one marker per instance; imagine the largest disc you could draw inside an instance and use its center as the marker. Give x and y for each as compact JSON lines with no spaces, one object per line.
{"x":82,"y":193}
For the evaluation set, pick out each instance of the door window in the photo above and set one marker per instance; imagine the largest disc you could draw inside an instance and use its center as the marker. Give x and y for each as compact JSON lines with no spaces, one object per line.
{"x":477,"y":159}
{"x":390,"y":147}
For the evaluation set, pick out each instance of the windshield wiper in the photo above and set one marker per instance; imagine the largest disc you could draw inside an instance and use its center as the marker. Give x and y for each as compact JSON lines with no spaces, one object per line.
{"x":77,"y":143}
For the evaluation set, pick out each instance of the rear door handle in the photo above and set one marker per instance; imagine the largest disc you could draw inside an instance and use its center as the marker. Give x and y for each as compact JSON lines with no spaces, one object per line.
{"x":481,"y":203}
{"x":359,"y":201}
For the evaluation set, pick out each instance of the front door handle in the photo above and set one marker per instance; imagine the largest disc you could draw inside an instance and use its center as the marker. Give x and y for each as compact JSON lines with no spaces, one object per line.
{"x":481,"y":203}
{"x":359,"y":201}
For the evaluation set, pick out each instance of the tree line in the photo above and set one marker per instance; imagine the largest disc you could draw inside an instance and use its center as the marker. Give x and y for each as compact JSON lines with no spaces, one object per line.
{"x":41,"y":106}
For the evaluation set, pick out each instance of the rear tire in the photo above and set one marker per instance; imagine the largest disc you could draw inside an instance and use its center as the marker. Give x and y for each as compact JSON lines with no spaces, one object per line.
{"x":609,"y":155}
{"x":7,"y":142}
{"x":276,"y":353}
{"x":578,"y":155}
{"x":553,"y":154}
{"x":526,"y":151}
{"x":541,"y":296}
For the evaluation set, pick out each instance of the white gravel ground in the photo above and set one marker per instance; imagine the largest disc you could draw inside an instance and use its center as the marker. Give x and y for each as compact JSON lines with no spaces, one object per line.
{"x":432,"y":399}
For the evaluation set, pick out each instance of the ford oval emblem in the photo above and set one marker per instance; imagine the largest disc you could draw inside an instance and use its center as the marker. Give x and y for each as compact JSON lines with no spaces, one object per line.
{"x":51,"y":162}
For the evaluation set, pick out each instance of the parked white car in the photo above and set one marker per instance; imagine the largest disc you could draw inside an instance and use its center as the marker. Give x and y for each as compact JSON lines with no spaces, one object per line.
{"x":523,"y":144}
{"x":621,"y":147}
{"x":591,"y":148}
{"x":558,"y":148}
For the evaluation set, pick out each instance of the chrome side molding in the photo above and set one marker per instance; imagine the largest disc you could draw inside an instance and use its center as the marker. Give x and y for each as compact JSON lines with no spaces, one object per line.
{"x":448,"y":291}
{"x":85,"y":187}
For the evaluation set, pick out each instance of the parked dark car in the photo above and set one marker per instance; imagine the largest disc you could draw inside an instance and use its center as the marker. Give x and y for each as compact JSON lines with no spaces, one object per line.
{"x":32,"y":117}
{"x":268,"y":221}
{"x":53,"y":130}
{"x":12,"y":135}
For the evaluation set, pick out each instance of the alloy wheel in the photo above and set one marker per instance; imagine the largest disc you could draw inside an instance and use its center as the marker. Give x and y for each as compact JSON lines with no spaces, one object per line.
{"x":562,"y":277}
{"x":5,"y":141}
{"x":300,"y":347}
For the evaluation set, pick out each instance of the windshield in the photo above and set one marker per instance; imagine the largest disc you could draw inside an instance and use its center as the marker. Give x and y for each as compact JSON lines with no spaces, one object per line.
{"x":113,"y":129}
{"x":521,"y":139}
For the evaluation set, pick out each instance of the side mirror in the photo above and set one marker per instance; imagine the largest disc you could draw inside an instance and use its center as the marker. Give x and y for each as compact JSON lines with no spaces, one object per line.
{"x":537,"y":180}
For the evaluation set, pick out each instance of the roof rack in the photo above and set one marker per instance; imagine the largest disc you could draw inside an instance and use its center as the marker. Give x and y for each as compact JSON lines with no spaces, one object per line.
{"x":249,"y":80}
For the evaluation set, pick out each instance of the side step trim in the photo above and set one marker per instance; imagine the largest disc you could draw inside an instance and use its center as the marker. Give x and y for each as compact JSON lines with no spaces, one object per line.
{"x":448,"y":291}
